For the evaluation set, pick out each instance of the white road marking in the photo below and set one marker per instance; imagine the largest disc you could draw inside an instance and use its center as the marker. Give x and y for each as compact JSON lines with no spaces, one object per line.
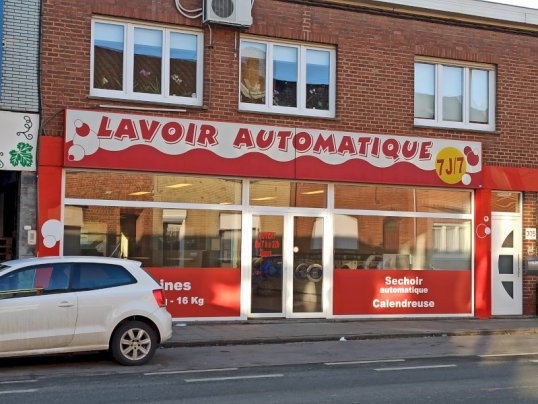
{"x":507,"y":354}
{"x":18,"y":391}
{"x":18,"y":381}
{"x":233,"y":378}
{"x":416,"y":368}
{"x":361,"y":362}
{"x":175,"y":372}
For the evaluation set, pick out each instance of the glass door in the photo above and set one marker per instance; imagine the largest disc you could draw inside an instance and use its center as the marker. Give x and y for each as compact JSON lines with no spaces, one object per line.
{"x":307,"y":296}
{"x":287,"y":266}
{"x":267,"y":280}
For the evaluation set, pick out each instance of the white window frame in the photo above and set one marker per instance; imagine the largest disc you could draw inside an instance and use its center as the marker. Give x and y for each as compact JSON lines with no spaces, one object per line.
{"x":301,"y":82}
{"x":459,"y":244}
{"x":438,"y":121}
{"x":128,"y":61}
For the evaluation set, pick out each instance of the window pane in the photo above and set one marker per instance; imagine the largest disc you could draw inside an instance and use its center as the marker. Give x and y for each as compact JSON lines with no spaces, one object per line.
{"x":253,"y":72}
{"x":479,"y":110}
{"x":288,"y":194}
{"x":98,"y":276}
{"x":157,"y":237}
{"x":317,"y":79}
{"x":373,"y":198}
{"x":443,"y":201}
{"x":183,"y":57}
{"x":152,"y":188}
{"x":285,"y":72}
{"x":452,"y":94}
{"x":504,"y":201}
{"x":108,"y":56}
{"x":443,"y":244}
{"x":148,"y":51}
{"x":424,"y":91}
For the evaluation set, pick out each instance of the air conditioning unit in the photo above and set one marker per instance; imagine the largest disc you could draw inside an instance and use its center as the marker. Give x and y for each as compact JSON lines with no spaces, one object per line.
{"x":228,"y":12}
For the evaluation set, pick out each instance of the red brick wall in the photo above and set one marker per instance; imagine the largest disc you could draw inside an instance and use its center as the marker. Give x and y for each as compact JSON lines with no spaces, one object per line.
{"x":374,"y":67}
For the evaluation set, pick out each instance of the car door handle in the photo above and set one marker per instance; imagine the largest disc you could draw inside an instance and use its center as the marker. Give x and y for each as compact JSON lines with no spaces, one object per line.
{"x":65,"y":304}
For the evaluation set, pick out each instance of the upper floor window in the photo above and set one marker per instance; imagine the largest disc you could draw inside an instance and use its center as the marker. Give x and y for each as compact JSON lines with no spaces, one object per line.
{"x":458,"y":96}
{"x":146,"y":63}
{"x":287,"y":79}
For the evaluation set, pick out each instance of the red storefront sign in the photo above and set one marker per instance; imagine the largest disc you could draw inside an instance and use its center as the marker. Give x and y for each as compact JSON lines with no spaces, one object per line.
{"x":149,"y":143}
{"x":200,"y":292}
{"x":390,"y":292}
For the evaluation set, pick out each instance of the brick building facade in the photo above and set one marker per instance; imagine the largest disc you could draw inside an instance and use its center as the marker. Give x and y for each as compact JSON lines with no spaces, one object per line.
{"x":19,"y":109}
{"x":387,"y":69}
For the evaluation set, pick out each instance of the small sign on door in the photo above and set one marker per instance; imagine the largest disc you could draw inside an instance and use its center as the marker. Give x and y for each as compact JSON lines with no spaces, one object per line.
{"x":530,"y":233}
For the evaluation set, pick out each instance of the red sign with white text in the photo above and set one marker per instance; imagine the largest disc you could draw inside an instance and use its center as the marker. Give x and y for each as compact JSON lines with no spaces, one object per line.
{"x":150,"y":143}
{"x":200,"y":292}
{"x":389,"y":292}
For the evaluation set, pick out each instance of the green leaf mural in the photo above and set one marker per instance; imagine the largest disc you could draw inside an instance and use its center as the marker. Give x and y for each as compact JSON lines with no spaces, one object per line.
{"x":22,"y":156}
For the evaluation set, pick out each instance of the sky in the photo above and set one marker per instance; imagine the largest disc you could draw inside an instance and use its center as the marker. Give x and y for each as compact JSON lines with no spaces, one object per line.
{"x":522,"y":3}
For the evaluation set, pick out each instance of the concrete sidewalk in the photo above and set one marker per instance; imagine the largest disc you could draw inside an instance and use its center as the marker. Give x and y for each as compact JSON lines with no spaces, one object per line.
{"x":293,"y":330}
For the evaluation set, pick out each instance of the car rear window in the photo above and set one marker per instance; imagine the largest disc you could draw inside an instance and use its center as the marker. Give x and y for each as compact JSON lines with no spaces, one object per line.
{"x":90,"y":276}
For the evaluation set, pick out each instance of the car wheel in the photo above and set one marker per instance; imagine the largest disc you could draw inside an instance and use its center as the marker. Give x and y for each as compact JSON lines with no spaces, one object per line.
{"x":133,"y":343}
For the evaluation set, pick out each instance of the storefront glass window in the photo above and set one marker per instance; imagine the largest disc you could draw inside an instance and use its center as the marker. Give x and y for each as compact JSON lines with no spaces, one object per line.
{"x":443,"y":201}
{"x":368,"y":197}
{"x":387,"y":242}
{"x":152,"y":188}
{"x":184,"y":238}
{"x":288,"y":194}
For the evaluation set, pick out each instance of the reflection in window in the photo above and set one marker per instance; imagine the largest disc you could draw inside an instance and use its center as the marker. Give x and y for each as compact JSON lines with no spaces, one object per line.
{"x":298,"y":79}
{"x":452,"y":95}
{"x":152,"y":187}
{"x":157,"y":237}
{"x":148,"y":49}
{"x":318,"y":76}
{"x":288,"y":194}
{"x":478,"y":108}
{"x":443,"y":201}
{"x":183,"y":64}
{"x":424,"y":90}
{"x":108,"y":46}
{"x":163,"y":65}
{"x":377,"y":242}
{"x":370,"y":197}
{"x":285,"y":76}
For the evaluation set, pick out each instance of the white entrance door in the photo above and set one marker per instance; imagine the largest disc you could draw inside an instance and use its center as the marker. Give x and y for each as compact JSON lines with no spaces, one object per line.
{"x":506,"y":272}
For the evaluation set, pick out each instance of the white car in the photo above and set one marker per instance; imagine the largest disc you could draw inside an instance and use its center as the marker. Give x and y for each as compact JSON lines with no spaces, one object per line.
{"x":68,"y":304}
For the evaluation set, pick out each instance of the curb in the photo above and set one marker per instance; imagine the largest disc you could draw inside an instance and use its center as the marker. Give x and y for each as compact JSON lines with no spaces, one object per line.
{"x":348,"y":337}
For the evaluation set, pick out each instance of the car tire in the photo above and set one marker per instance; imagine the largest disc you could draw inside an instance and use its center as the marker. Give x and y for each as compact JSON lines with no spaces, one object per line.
{"x":133,"y":343}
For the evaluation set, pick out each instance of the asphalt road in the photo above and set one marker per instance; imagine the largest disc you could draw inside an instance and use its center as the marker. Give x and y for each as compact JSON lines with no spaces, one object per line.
{"x":481,"y":369}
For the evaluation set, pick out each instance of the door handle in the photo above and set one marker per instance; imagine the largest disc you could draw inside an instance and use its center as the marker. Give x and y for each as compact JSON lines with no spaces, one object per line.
{"x":518,"y":266}
{"x":65,"y":304}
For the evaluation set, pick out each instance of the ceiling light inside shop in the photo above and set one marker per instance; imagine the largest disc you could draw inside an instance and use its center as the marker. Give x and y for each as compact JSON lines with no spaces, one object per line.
{"x":140,"y":193}
{"x":180,"y":185}
{"x":320,"y":191}
{"x":265,"y":198}
{"x":225,"y":203}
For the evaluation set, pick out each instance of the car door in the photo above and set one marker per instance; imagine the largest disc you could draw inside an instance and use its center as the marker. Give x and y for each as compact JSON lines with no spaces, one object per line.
{"x":36,"y":313}
{"x":102,"y":292}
